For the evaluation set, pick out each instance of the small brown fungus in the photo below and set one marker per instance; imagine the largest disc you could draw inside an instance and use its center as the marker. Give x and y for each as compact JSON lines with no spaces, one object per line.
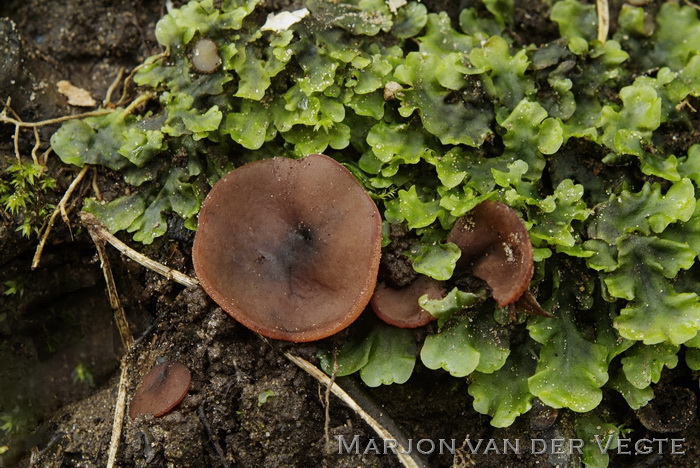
{"x":205,"y":56}
{"x":399,"y":307}
{"x":496,"y":245}
{"x":289,"y":248}
{"x":163,"y":388}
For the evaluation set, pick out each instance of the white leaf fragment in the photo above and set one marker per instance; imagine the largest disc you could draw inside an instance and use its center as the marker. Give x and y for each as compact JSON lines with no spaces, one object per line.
{"x":282,"y":21}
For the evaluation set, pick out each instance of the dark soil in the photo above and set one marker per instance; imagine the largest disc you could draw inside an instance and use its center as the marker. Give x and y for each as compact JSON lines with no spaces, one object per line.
{"x":248,"y":406}
{"x":396,"y":268}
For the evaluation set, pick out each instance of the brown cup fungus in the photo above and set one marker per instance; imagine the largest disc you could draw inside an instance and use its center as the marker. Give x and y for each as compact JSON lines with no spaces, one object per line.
{"x":399,"y":307}
{"x":163,"y":388}
{"x":289,"y":248}
{"x":496,"y":246}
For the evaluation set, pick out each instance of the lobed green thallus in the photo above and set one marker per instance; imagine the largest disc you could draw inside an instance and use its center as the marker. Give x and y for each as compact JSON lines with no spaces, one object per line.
{"x":434,"y":116}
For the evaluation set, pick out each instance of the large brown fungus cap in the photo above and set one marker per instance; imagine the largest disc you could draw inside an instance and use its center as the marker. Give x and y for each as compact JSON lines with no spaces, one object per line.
{"x":161,"y":390}
{"x":495,"y":243}
{"x":400,"y":307}
{"x":289,"y":248}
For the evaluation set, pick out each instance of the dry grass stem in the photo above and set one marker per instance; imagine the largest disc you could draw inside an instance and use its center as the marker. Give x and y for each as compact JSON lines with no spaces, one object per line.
{"x":327,"y":403}
{"x":127,"y":340}
{"x":61,"y":208}
{"x":688,"y":2}
{"x":95,"y":187}
{"x":114,"y":301}
{"x":37,"y":145}
{"x":603,"y":19}
{"x":96,"y":113}
{"x":406,"y":459}
{"x":98,"y":230}
{"x":119,"y":410}
{"x":64,"y":118}
{"x":108,"y":97}
{"x":128,"y":79}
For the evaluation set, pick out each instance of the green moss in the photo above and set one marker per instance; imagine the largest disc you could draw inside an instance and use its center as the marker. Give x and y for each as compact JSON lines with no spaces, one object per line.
{"x":23,"y":191}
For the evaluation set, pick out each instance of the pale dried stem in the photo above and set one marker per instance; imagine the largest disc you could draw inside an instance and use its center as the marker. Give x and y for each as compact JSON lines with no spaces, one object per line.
{"x":119,"y":314}
{"x":96,"y":113}
{"x":56,"y":120}
{"x":142,"y":98}
{"x":127,"y":340}
{"x":119,"y":410}
{"x":401,"y":452}
{"x":59,"y":209}
{"x":15,"y":139}
{"x":683,"y":104}
{"x":603,"y":19}
{"x":128,"y":79}
{"x":45,"y":156}
{"x":327,"y":403}
{"x":108,"y":97}
{"x":98,"y":230}
{"x":37,"y":145}
{"x":689,"y":3}
{"x":64,"y":216}
{"x":8,"y":107}
{"x":95,"y":188}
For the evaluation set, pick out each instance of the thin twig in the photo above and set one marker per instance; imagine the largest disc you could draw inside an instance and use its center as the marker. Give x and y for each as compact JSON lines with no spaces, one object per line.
{"x":128,"y":79}
{"x":8,"y":107}
{"x":327,"y":422}
{"x":127,"y":340}
{"x":108,"y":97}
{"x":37,"y":144}
{"x":603,"y":19}
{"x":119,"y":410}
{"x":64,"y":215}
{"x":119,"y":314}
{"x":64,"y":118}
{"x":59,"y":209}
{"x":6,"y":104}
{"x":96,"y":113}
{"x":406,"y":457}
{"x":95,"y":187}
{"x":98,"y":230}
{"x":138,"y":101}
{"x":15,"y":138}
{"x":688,"y":2}
{"x":45,"y":156}
{"x":683,"y":104}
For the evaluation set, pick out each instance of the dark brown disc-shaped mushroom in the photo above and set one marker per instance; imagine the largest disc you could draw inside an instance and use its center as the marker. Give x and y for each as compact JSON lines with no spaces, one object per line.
{"x":163,"y":388}
{"x":289,"y":248}
{"x":399,"y":307}
{"x":496,"y":245}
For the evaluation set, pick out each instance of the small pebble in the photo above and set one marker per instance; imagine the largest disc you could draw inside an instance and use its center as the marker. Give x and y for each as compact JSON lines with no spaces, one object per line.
{"x":205,"y":56}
